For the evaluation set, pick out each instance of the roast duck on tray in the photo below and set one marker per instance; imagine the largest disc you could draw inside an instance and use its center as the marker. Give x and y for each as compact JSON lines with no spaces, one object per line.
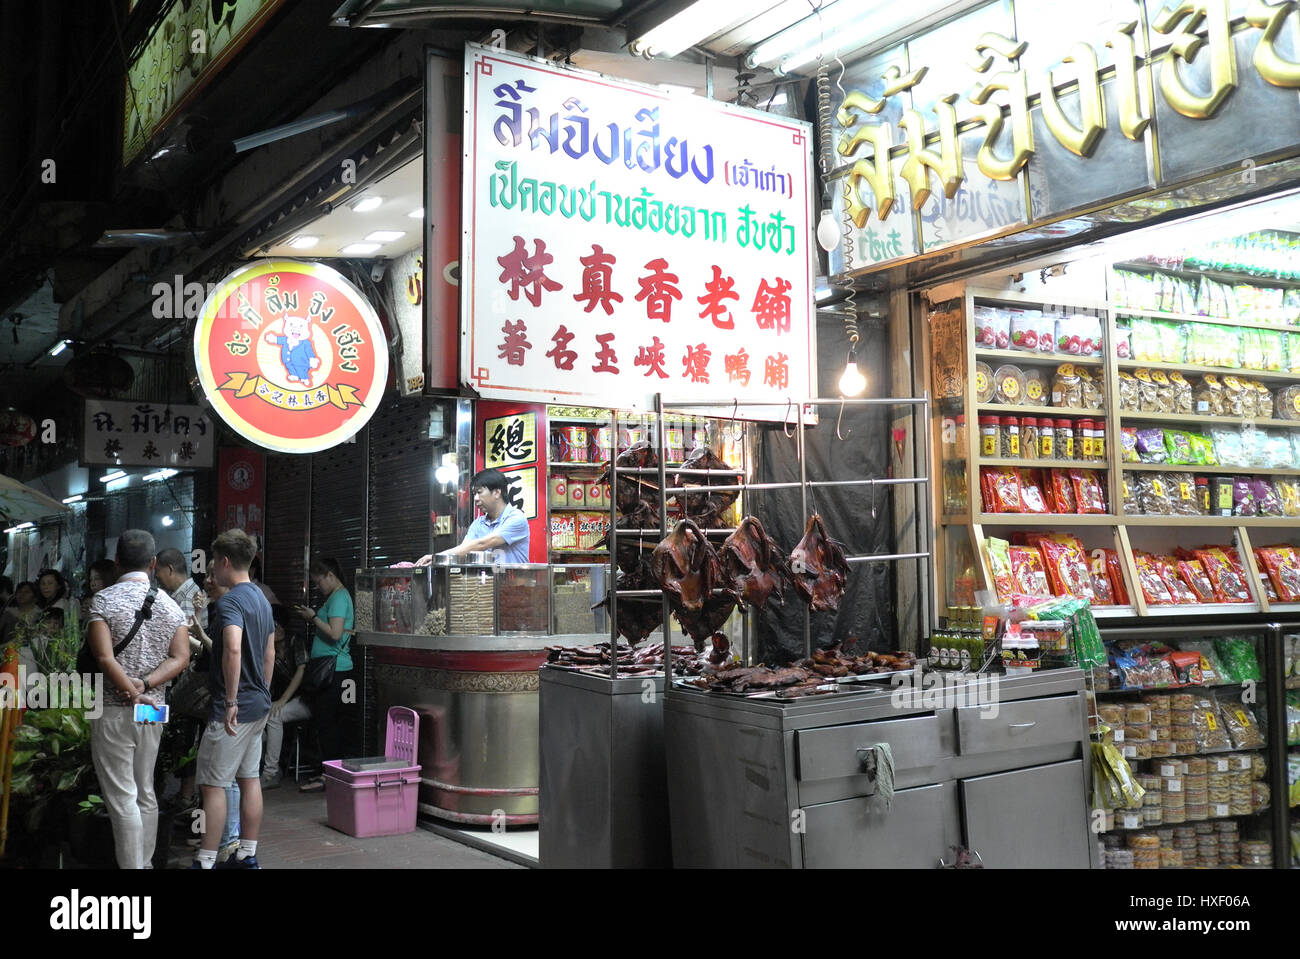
{"x":804,"y":678}
{"x":632,"y":661}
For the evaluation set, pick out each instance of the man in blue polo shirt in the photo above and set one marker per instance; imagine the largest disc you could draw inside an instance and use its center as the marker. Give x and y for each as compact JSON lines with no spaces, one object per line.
{"x":502,"y":528}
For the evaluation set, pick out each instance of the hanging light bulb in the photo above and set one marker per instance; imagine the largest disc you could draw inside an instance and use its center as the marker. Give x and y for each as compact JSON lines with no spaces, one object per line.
{"x":828,"y":232}
{"x":852,"y":382}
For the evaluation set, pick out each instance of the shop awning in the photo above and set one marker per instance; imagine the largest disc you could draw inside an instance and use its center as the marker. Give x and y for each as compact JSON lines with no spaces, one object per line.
{"x":22,"y":504}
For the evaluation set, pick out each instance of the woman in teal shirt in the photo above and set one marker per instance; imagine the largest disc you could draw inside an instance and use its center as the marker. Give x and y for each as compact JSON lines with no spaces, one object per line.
{"x":332,"y":638}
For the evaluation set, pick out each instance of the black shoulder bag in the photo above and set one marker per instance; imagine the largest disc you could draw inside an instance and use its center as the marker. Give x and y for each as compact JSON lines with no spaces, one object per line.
{"x":88,"y":662}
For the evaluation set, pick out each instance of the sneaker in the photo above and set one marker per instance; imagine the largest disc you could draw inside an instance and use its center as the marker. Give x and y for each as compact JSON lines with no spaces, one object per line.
{"x":234,"y":862}
{"x":227,"y":851}
{"x":270,"y":781}
{"x":312,"y":785}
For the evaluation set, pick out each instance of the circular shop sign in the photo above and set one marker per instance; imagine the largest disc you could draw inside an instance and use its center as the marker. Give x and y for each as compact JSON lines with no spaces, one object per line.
{"x":291,"y":355}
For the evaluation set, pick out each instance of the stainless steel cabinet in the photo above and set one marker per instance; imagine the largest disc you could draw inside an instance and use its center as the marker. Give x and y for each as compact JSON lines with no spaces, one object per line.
{"x":1028,"y":818}
{"x":914,"y":833}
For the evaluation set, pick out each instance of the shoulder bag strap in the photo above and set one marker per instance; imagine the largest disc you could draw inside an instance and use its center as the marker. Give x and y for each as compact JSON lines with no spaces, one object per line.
{"x":143,"y":613}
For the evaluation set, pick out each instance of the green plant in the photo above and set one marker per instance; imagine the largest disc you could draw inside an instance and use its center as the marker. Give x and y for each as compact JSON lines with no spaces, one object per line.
{"x":90,"y":805}
{"x":56,"y":652}
{"x":52,"y":761}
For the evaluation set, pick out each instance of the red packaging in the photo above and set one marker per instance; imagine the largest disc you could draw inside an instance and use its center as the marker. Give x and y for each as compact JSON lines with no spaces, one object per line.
{"x":1154,"y":589}
{"x":1031,"y":493}
{"x":987,"y":495}
{"x":1028,"y":575}
{"x":1062,"y":492}
{"x":1187,"y":667}
{"x":1067,"y":569}
{"x":1228,"y":578}
{"x":1178,"y":590}
{"x":1089,"y":494}
{"x":1115,"y":573}
{"x":1100,"y":581}
{"x":1006,"y":488}
{"x":1283,"y":565}
{"x":1191,"y":572}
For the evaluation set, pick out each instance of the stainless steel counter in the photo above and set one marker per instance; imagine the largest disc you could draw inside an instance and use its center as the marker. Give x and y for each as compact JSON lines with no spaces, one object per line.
{"x":756,"y":783}
{"x":477,"y":698}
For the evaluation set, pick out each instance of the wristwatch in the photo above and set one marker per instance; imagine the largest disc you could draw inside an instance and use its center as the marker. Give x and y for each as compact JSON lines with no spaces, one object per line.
{"x":145,"y":680}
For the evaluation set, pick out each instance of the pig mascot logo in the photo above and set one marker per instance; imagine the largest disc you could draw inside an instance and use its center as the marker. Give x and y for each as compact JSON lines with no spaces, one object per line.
{"x":297,"y":354}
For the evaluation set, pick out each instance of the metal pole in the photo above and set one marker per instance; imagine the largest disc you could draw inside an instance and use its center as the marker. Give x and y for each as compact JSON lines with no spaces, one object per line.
{"x":663,"y":533}
{"x":803,"y":497}
{"x":873,"y":558}
{"x":613,"y":554}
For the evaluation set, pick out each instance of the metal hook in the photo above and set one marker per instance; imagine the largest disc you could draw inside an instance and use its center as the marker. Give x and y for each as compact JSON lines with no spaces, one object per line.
{"x":837,"y":423}
{"x":785,"y":425}
{"x":874,"y":490}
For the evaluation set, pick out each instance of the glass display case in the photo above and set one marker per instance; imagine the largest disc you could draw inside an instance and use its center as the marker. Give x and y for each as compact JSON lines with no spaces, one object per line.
{"x":481,"y":600}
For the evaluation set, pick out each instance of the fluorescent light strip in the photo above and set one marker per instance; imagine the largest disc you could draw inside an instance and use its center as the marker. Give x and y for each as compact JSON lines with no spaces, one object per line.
{"x":811,"y":29}
{"x":359,"y":249}
{"x":385,"y":236}
{"x":365,"y":204}
{"x":880,"y":22}
{"x":20,"y":527}
{"x":73,"y":499}
{"x":702,"y":19}
{"x":112,"y":476}
{"x":417,"y":214}
{"x":304,"y":242}
{"x":160,"y":475}
{"x":59,"y":347}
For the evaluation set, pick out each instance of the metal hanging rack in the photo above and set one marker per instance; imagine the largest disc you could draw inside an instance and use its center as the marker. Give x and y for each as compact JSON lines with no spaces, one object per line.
{"x":919,"y":404}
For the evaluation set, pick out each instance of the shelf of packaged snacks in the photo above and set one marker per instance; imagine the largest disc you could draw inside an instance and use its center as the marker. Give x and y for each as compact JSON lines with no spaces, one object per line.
{"x":1027,"y":357}
{"x":1185,"y":822}
{"x":1193,"y":468}
{"x":1128,"y":416}
{"x":1121,"y":312}
{"x":1185,"y":369}
{"x":1036,"y":410}
{"x":1156,"y":519}
{"x":1045,"y":519}
{"x":1219,"y":276}
{"x":1033,"y":464}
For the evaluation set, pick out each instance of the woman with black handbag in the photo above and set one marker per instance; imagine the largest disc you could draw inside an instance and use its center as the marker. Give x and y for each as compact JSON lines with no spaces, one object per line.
{"x":328,"y":677}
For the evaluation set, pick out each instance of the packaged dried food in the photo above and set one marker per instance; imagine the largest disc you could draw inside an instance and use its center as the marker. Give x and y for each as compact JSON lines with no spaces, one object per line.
{"x":1151,"y":445}
{"x":988,"y":495}
{"x":1187,"y":667}
{"x":983,"y":383}
{"x":1091,"y":389}
{"x":1203,"y":452}
{"x":1067,"y":387}
{"x":1193,"y":574}
{"x":1228,"y":578}
{"x":1148,"y":395}
{"x":1028,"y":575}
{"x":1264,"y":405}
{"x":1123,"y":349}
{"x":1009,"y":385}
{"x":1279,"y":451}
{"x":1129,"y":394}
{"x":1031,"y":492}
{"x":999,"y":556}
{"x":1283,"y":566}
{"x":1182,"y":393}
{"x":1164,"y":391}
{"x":1009,"y":437}
{"x":1128,"y":438}
{"x":1228,"y":447}
{"x":1233,"y":397}
{"x":992,"y":329}
{"x":1287,"y":405}
{"x":1182,"y":494}
{"x":1085,"y":336}
{"x":1035,"y":387}
{"x":1242,"y":727}
{"x":1004,"y":487}
{"x":1067,"y":569}
{"x":1173,"y":341}
{"x":1210,"y":734}
{"x":1272,"y":350}
{"x":1062,"y":492}
{"x":1243,"y":498}
{"x":1178,"y":590}
{"x":1089,"y":491}
{"x":1178,"y":447}
{"x":1116,"y":576}
{"x":1144,"y":337}
{"x":1128,"y":495}
{"x":1153,"y":495}
{"x":1029,"y":438}
{"x":1024,"y":328}
{"x":1208,"y":397}
{"x":1237,"y":660}
{"x":1266,"y":497}
{"x":1154,"y":590}
{"x":1112,"y":715}
{"x":1252,"y":350}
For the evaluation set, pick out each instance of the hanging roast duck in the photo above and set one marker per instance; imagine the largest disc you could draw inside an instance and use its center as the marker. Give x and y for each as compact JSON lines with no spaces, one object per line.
{"x":819,"y":568}
{"x":753,"y":565}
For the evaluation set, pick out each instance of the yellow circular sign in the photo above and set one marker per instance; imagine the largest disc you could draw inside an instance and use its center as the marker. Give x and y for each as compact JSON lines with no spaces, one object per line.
{"x":291,"y":355}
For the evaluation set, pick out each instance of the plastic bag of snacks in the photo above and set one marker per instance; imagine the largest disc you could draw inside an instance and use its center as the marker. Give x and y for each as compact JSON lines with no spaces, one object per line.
{"x":1237,"y":659}
{"x":1266,"y":496}
{"x":1130,"y":394}
{"x":1102,"y":592}
{"x":1005,"y":487}
{"x":1067,"y":387}
{"x":1154,"y":590}
{"x":1151,"y":445}
{"x":1153,"y":495}
{"x":1025,"y":326}
{"x":1252,"y":349}
{"x":1229,"y":580}
{"x":1193,"y":574}
{"x":992,"y":328}
{"x":1203,"y":452}
{"x":1178,"y":447}
{"x":1234,"y":396}
{"x":1272,"y":350}
{"x":1208,"y":397}
{"x":1179,"y":591}
{"x":1264,"y":403}
{"x":1091,"y":388}
{"x":1128,"y":494}
{"x":1031,"y":492}
{"x":1067,"y":568}
{"x":1147,"y":392}
{"x":1283,"y":566}
{"x":999,"y":556}
{"x":1128,"y":439}
{"x":1123,"y":349}
{"x":1211,"y":668}
{"x":1243,"y":498}
{"x":1089,"y":492}
{"x":1182,"y":391}
{"x":1144,"y":339}
{"x":1173,"y":342}
{"x":1242,"y":728}
{"x":1182,"y":494}
{"x":1115,"y":573}
{"x":1062,"y":492}
{"x":1028,"y":575}
{"x":1210,"y":733}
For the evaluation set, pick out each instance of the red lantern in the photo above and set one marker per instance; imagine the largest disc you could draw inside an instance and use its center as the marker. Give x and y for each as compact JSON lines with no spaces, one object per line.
{"x":16,"y":429}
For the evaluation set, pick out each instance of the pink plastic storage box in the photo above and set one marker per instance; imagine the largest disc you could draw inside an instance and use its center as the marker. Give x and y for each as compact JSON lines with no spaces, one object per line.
{"x":376,"y":796}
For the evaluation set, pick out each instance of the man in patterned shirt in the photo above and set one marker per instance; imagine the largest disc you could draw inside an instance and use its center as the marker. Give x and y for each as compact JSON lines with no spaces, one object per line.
{"x":173,"y":575}
{"x":123,"y":750}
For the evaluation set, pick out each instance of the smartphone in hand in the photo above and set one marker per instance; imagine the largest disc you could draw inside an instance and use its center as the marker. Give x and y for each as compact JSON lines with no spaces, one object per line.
{"x":152,"y":715}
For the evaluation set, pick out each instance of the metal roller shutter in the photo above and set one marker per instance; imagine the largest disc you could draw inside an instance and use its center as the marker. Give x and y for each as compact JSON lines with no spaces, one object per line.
{"x":338,"y":506}
{"x":401,"y":477}
{"x":288,"y":500}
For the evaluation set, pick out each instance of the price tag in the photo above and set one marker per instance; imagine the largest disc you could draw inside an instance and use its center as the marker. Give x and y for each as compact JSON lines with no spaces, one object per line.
{"x":1173,"y":785}
{"x":1244,"y":762}
{"x":1154,"y":735}
{"x":1219,"y":810}
{"x":1132,"y":820}
{"x":1211,"y":723}
{"x":1130,"y":752}
{"x":1119,"y":735}
{"x":1169,"y":770}
{"x":1242,"y":718}
{"x":1220,"y":765}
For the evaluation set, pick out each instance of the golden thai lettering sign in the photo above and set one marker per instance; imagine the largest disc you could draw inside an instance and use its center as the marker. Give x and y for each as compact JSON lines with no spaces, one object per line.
{"x":291,"y":355}
{"x":1036,"y":82}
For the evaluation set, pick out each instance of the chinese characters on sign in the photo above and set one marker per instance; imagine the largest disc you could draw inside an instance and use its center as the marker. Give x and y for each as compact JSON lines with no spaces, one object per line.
{"x":147,"y":434}
{"x":506,"y":439}
{"x":626,"y":236}
{"x":291,"y":355}
{"x":511,"y":440}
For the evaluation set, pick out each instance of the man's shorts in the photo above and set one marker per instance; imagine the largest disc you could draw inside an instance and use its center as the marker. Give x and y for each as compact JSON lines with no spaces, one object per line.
{"x":224,"y":758}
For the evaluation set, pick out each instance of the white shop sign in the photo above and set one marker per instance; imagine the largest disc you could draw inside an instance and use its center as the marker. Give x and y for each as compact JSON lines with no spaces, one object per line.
{"x":155,"y":434}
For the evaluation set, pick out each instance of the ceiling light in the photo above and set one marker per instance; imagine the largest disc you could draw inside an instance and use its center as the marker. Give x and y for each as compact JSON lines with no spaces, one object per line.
{"x":446,"y":473}
{"x":698,"y":21}
{"x":303,"y":242}
{"x":73,"y":499}
{"x":366,"y":204}
{"x":160,"y":475}
{"x":359,"y":249}
{"x":386,"y":236}
{"x":59,"y":347}
{"x":417,"y":214}
{"x":112,"y":476}
{"x":809,"y":30}
{"x":167,"y":520}
{"x":828,"y":231}
{"x":20,"y":527}
{"x":852,"y":382}
{"x":839,"y":31}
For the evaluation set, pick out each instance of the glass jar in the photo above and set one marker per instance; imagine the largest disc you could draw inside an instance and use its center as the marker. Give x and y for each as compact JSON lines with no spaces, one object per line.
{"x":1203,"y":495}
{"x":1099,"y":440}
{"x":1009,"y":434}
{"x":1065,"y":446}
{"x":990,"y":427}
{"x":1029,"y":438}
{"x":1046,"y":439}
{"x":1083,"y":439}
{"x":960,"y":439}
